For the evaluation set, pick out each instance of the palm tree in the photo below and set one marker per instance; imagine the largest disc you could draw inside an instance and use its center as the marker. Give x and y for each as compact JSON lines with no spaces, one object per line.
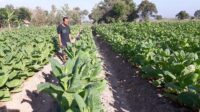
{"x":9,"y":17}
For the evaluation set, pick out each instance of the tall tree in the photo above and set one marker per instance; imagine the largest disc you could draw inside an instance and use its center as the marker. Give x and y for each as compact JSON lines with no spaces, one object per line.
{"x":147,"y":9}
{"x":10,"y":7}
{"x":52,"y":16}
{"x":158,"y":17}
{"x":7,"y":15}
{"x":65,"y":10}
{"x":23,"y":13}
{"x":98,"y":12}
{"x":197,"y":14}
{"x":2,"y":16}
{"x":39,"y":16}
{"x":10,"y":17}
{"x":113,"y":10}
{"x":121,"y":10}
{"x":84,"y":13}
{"x":182,"y":15}
{"x":76,"y":15}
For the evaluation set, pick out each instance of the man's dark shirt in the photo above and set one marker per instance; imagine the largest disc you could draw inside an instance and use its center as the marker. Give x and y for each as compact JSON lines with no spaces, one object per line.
{"x":64,"y":31}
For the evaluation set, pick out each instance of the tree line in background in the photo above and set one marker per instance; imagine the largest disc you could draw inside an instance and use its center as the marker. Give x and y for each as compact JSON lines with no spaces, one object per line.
{"x":109,"y":11}
{"x":184,"y":15}
{"x":15,"y":17}
{"x":106,"y":11}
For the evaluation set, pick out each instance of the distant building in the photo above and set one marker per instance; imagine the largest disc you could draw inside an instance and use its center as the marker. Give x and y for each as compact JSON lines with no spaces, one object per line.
{"x":26,"y":23}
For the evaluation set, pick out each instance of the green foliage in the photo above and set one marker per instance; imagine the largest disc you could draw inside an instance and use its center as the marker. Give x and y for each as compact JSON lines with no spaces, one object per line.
{"x":3,"y":79}
{"x":23,"y":52}
{"x":168,"y":54}
{"x":2,"y":15}
{"x":79,"y":86}
{"x":23,"y":13}
{"x":118,"y":10}
{"x":158,"y":17}
{"x":146,"y":9}
{"x":11,"y":16}
{"x":114,"y":10}
{"x":197,"y":14}
{"x":76,"y":14}
{"x":189,"y":99}
{"x":182,"y":15}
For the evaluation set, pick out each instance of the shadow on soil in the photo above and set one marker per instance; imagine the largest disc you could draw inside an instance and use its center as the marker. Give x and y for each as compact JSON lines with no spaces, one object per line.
{"x":42,"y":102}
{"x":4,"y":109}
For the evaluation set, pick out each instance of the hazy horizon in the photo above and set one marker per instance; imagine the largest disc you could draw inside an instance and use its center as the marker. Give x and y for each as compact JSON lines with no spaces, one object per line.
{"x":166,"y":8}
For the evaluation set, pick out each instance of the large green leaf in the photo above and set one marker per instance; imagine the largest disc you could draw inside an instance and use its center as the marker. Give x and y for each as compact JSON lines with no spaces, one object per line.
{"x":67,"y":100}
{"x":190,"y":79}
{"x":13,"y":74}
{"x":169,"y":76}
{"x":68,"y":67}
{"x":3,"y":79}
{"x":16,"y":90}
{"x":56,"y":68}
{"x":46,"y":86}
{"x":80,"y":102}
{"x":4,"y":95}
{"x":189,"y":69}
{"x":65,"y":82}
{"x":14,"y":83}
{"x":189,"y":99}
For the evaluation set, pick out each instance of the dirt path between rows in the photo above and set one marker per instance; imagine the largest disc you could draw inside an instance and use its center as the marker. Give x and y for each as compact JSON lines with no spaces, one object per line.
{"x":127,"y":91}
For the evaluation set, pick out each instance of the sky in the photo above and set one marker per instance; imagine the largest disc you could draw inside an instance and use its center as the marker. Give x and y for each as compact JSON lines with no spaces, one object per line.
{"x":167,"y":8}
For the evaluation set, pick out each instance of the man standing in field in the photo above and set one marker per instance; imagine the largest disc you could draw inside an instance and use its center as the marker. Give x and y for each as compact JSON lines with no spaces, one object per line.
{"x":64,"y":36}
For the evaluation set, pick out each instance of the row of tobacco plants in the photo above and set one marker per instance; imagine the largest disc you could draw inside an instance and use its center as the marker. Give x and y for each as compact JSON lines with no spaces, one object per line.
{"x":22,"y":53}
{"x":79,"y":85}
{"x":167,"y":53}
